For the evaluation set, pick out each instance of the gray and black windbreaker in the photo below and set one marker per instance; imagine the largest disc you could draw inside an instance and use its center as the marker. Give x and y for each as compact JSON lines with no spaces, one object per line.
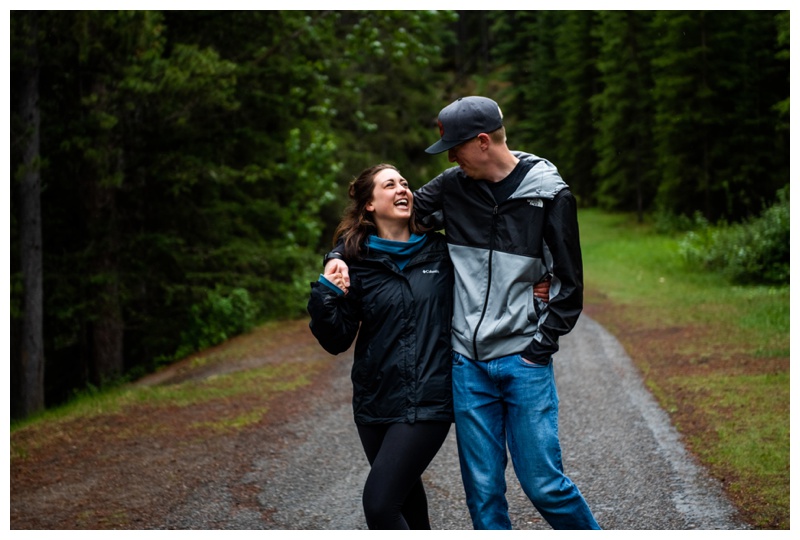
{"x":499,"y":251}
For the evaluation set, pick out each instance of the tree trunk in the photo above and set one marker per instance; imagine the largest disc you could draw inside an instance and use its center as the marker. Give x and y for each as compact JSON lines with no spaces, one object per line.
{"x":32,"y":342}
{"x":107,"y":328}
{"x":107,"y":325}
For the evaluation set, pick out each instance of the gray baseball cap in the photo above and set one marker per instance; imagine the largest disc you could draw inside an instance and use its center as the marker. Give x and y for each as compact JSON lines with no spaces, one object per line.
{"x":465,"y":119}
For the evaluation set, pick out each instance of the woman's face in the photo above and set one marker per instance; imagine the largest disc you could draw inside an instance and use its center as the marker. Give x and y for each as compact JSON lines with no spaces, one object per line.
{"x":392,"y":200}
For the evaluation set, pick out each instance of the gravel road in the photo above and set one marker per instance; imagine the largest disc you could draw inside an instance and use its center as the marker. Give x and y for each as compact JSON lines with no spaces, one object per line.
{"x":618,"y":447}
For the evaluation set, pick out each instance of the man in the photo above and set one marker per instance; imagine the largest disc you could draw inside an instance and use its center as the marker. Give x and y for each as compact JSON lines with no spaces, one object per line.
{"x":510,"y":222}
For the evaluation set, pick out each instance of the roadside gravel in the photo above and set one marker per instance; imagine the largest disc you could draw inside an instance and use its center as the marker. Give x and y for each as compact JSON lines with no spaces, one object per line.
{"x":618,"y":447}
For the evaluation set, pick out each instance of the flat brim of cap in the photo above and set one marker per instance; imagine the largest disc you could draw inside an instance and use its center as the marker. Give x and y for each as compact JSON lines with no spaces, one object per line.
{"x":442,"y":146}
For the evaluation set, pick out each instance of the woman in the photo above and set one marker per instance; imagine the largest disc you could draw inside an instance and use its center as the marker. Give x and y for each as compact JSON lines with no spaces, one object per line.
{"x":399,"y":303}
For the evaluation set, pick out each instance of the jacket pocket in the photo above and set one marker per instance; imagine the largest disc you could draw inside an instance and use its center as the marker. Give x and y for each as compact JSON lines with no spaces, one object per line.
{"x":534,"y":364}
{"x":535,"y":306}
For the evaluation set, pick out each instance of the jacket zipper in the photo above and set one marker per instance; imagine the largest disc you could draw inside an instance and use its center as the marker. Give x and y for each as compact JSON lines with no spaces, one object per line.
{"x":488,"y":285}
{"x":411,"y":367}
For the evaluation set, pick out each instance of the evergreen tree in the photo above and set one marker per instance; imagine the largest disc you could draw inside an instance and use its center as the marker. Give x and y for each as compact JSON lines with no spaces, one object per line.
{"x":28,"y":373}
{"x":531,"y":101}
{"x":623,"y":112}
{"x":782,"y":55}
{"x":576,"y":68}
{"x":717,"y":82}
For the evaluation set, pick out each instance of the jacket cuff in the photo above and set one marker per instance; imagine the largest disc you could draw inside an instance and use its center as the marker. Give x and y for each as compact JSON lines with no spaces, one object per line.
{"x":323,"y":280}
{"x":539,"y":353}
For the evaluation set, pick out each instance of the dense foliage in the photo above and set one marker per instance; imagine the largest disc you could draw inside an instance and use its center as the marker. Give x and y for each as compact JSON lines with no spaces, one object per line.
{"x":688,"y":109}
{"x":756,"y":251}
{"x":193,"y":164}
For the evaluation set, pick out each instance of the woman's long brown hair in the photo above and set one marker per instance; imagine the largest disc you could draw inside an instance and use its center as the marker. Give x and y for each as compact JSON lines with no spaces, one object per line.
{"x":357,"y":224}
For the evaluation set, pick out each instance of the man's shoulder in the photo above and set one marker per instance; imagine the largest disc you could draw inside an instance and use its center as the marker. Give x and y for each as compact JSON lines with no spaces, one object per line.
{"x":542,"y":179}
{"x":442,"y":182}
{"x":452,"y":173}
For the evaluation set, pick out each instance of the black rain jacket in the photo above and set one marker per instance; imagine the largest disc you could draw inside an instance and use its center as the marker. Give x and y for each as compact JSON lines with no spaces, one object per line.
{"x":402,"y":359}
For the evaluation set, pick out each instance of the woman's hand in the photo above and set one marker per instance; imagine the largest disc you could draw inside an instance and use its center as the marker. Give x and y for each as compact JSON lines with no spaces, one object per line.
{"x":338,"y":273}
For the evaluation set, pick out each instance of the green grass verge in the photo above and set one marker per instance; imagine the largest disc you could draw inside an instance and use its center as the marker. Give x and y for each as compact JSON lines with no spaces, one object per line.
{"x":258,"y":384}
{"x":266,"y":380}
{"x":734,"y":411}
{"x":630,"y":264}
{"x":77,"y":418}
{"x":749,"y":416}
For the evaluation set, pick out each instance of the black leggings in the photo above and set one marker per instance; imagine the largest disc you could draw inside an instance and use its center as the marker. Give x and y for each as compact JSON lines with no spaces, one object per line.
{"x":394,"y":497}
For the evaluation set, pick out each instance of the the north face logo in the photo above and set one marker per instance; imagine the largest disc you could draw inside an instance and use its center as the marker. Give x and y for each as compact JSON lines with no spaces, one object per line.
{"x":536,"y":202}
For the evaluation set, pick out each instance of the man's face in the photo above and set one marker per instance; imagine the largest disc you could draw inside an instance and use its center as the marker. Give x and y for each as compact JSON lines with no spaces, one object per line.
{"x":468,"y":156}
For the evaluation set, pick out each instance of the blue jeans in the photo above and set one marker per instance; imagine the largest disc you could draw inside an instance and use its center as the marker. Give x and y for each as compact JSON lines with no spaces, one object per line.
{"x":509,"y":401}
